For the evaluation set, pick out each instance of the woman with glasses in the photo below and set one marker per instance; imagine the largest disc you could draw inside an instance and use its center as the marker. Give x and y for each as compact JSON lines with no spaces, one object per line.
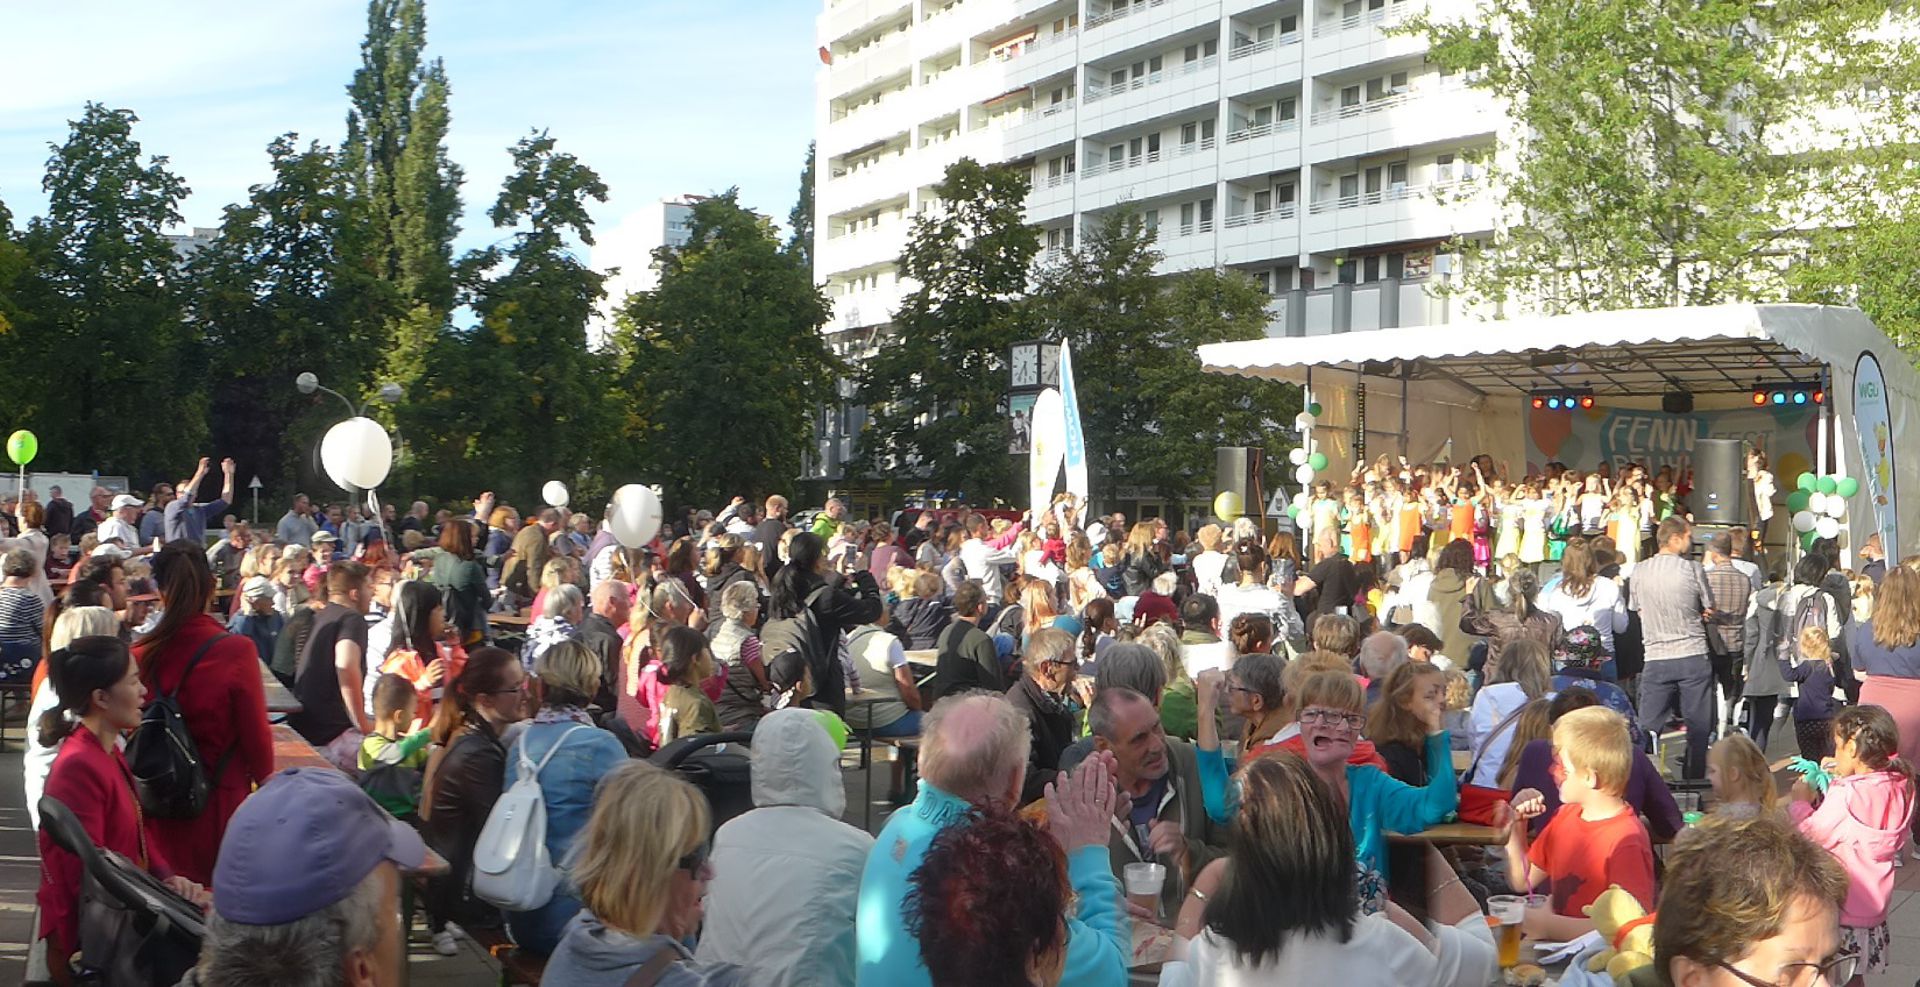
{"x":641,"y":870}
{"x":1330,"y":718}
{"x":464,"y":778}
{"x":1284,"y":905}
{"x":1750,"y":903}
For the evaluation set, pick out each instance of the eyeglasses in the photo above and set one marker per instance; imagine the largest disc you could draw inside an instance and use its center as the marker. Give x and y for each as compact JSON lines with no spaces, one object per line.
{"x":1833,"y":971}
{"x":1332,"y":718}
{"x":519,"y":689}
{"x":693,"y":862}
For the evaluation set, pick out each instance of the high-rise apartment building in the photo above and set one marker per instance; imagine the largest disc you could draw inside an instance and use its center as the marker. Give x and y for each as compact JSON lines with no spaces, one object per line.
{"x":1297,"y":141}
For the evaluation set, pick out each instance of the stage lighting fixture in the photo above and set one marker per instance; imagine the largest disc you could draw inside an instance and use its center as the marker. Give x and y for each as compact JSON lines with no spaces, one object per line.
{"x":1783,"y":393}
{"x":1562,"y":400}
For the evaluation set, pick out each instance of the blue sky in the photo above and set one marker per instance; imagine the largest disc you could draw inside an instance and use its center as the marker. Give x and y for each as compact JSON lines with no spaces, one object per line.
{"x":661,"y":97}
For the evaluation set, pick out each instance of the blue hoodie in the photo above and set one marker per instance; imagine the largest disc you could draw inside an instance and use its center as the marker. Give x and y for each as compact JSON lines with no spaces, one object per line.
{"x":1098,"y":943}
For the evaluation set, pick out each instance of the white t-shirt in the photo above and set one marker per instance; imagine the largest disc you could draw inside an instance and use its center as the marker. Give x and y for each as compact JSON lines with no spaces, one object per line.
{"x":1378,"y":954}
{"x":1206,"y":572}
{"x":113,"y":528}
{"x":1601,"y":607}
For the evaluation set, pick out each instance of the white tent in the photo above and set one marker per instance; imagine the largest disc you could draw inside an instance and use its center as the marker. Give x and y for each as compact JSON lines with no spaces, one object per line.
{"x":1466,"y":385}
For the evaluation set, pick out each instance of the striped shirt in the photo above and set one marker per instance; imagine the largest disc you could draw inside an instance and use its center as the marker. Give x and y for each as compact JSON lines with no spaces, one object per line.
{"x":1670,"y":593}
{"x":1729,"y":591}
{"x":21,"y":614}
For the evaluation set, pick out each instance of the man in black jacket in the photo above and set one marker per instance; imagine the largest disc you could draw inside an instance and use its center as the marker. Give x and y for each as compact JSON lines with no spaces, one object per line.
{"x":767,"y":534}
{"x":1044,"y":695}
{"x":600,"y":632}
{"x":966,"y":656}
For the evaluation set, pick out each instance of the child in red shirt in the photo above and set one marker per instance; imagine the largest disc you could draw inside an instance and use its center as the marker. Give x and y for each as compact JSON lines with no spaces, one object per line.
{"x":1601,"y":843}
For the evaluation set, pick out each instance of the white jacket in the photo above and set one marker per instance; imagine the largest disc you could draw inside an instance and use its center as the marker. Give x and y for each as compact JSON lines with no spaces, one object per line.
{"x":1379,"y":954}
{"x":786,"y":876}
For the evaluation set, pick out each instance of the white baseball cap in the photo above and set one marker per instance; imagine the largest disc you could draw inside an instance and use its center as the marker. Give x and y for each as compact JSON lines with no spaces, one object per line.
{"x":125,"y":500}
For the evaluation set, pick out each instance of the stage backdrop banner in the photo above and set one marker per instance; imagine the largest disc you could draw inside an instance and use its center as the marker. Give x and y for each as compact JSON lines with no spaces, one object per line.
{"x":1872,"y":424}
{"x":1619,"y":436}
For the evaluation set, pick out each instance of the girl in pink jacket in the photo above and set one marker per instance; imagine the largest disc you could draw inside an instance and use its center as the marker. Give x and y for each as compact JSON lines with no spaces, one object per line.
{"x":1863,"y":822}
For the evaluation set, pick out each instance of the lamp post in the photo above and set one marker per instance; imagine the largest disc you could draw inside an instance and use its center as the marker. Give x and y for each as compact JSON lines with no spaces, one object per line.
{"x":388,"y":394}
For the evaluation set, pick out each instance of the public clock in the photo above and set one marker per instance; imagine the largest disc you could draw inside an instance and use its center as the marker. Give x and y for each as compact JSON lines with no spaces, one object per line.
{"x":1050,"y":365}
{"x":1026,"y":364}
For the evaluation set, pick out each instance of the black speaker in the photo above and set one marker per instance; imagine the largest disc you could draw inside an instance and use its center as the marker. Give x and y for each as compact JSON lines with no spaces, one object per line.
{"x":1234,"y":468}
{"x":1677,"y":402}
{"x":1719,"y":482}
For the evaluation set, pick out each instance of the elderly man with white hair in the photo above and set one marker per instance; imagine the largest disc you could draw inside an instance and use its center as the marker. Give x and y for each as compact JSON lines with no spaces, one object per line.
{"x":561,"y":613}
{"x":974,"y":752}
{"x":1380,"y":653}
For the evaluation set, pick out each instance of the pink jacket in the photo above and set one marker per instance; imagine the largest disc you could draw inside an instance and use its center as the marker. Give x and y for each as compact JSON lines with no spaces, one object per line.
{"x":1863,"y":823}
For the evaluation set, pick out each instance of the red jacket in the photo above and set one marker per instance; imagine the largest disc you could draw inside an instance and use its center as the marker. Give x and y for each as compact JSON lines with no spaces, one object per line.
{"x":226,"y":710}
{"x":96,"y":786}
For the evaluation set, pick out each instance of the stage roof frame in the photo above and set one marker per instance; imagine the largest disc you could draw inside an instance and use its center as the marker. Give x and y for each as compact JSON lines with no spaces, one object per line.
{"x":1702,"y":350}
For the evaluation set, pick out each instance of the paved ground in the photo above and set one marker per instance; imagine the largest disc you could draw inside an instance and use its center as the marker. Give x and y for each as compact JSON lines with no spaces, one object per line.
{"x":20,"y":875}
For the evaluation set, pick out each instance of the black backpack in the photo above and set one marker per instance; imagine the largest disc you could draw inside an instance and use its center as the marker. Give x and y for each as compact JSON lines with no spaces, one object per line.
{"x":168,"y":774}
{"x":799,"y":635}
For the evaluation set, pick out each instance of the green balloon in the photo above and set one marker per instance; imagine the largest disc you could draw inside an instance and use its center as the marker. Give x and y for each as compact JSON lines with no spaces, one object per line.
{"x":1318,"y":461}
{"x":1846,"y":486}
{"x":1314,"y":409}
{"x":1798,"y":501}
{"x":1826,"y":485}
{"x":22,"y":447}
{"x":1293,"y":510}
{"x":1807,"y":481}
{"x":1807,"y":538}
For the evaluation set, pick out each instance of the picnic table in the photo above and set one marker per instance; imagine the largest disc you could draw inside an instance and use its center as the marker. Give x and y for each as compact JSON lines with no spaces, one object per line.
{"x":280,"y":699}
{"x":509,"y":620}
{"x":1456,"y":834}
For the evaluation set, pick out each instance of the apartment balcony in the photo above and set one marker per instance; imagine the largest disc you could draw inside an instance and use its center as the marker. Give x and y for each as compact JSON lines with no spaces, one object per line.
{"x":1148,"y":176}
{"x":930,"y":163}
{"x":860,"y":309}
{"x":1264,"y":235}
{"x":852,"y":16}
{"x":1263,"y":64}
{"x":1381,"y":304}
{"x":885,"y":179}
{"x":868,"y":248}
{"x":1158,"y":94}
{"x":1046,"y":57}
{"x":870,"y":65}
{"x":1410,"y":119}
{"x":1261,"y":148}
{"x":1051,"y":197}
{"x":1362,"y":39}
{"x":869,"y":125}
{"x":1142,"y":24}
{"x":1397,"y":213}
{"x":1277,"y":317}
{"x":1041,"y":127}
{"x":1184,"y":247}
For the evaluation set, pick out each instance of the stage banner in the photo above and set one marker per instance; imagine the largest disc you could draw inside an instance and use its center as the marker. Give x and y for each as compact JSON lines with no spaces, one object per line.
{"x":1872,"y":422}
{"x":1049,"y":447}
{"x":1584,"y":439}
{"x":1076,"y":438}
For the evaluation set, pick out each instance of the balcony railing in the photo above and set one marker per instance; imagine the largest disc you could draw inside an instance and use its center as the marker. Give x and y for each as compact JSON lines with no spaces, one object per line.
{"x":1108,"y":167}
{"x":1387,"y":102}
{"x":1257,"y":47}
{"x":1284,"y":210}
{"x":1095,"y":91}
{"x":1055,"y":181}
{"x":1037,"y":44}
{"x":1035,"y":114}
{"x":1392,"y":193}
{"x":1258,"y":130}
{"x":1176,"y":231}
{"x":1120,"y":13}
{"x":1366,"y":18}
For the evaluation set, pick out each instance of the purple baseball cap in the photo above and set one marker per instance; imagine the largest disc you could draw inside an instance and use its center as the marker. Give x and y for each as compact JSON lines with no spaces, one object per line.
{"x":305,"y":840}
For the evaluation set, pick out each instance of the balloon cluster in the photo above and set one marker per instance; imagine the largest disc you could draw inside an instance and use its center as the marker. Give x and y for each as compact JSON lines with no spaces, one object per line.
{"x":1819,"y":505}
{"x":1306,"y":464}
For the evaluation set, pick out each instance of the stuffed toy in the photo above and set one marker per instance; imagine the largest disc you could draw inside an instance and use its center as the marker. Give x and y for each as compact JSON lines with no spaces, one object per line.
{"x":1627,"y":930}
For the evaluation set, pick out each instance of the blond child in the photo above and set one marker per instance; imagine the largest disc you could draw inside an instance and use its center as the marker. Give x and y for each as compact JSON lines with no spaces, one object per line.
{"x":1459,"y":716}
{"x":1814,"y":707}
{"x":1595,"y":840}
{"x":1742,"y":780}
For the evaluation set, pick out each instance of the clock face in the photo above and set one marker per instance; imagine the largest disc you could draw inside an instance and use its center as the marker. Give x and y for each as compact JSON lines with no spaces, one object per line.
{"x":1026,"y":365}
{"x":1050,"y":365}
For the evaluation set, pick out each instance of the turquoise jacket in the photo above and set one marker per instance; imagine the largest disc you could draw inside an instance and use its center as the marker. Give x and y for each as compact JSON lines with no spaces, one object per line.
{"x":1098,"y":943}
{"x":1378,"y":803}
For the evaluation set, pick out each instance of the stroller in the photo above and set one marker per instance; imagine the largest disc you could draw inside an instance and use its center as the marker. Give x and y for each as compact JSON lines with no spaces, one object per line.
{"x":134,"y":931}
{"x":712,"y":764}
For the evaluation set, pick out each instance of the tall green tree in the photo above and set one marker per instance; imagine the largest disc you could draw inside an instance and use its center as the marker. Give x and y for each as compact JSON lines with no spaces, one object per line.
{"x":1671,"y":152}
{"x":936,"y":390}
{"x":120,"y":376}
{"x":800,"y":220}
{"x":1136,"y":334}
{"x":13,"y":273}
{"x":395,"y":153}
{"x":274,"y":298}
{"x":520,"y":399}
{"x":719,"y":367}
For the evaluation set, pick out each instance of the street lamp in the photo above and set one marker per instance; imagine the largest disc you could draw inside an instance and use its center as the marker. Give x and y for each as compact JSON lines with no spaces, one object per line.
{"x":389,"y":393}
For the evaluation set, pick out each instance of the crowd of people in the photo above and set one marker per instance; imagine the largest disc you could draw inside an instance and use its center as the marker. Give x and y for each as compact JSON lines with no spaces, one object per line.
{"x":1246,"y":725}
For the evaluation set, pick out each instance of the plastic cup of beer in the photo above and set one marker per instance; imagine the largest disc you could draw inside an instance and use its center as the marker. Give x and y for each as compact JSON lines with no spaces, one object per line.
{"x":1144,"y":881}
{"x":1507,"y":912}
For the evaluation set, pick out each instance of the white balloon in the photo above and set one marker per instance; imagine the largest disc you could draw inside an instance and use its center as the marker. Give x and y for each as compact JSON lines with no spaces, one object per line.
{"x":357,"y":454}
{"x":554,"y":493}
{"x":1304,"y":474}
{"x":1803,"y":521}
{"x":1300,"y":499}
{"x":636,"y":515}
{"x":1303,"y":421}
{"x":1836,"y":506}
{"x":1817,"y":503}
{"x":1826,"y":527}
{"x":1297,"y":456}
